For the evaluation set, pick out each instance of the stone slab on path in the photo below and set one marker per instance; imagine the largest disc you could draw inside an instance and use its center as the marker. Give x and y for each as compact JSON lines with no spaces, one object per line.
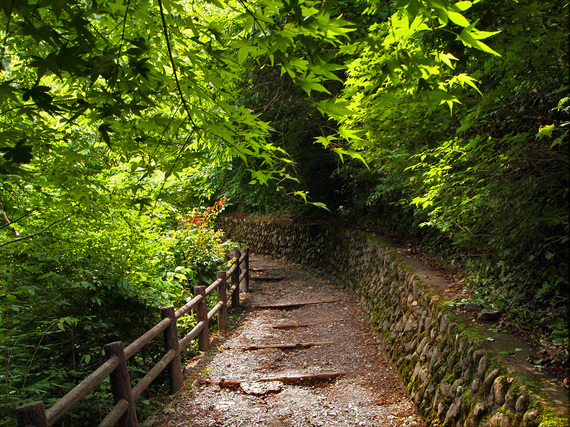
{"x":367,"y":393}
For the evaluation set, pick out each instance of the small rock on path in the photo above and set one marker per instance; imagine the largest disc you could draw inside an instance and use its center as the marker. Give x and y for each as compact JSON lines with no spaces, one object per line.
{"x":369,"y":393}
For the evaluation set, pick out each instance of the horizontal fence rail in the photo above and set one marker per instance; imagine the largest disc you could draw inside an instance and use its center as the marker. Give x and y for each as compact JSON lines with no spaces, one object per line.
{"x":123,"y":413}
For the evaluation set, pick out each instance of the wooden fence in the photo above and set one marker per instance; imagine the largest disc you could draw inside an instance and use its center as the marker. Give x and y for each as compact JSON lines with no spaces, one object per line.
{"x":123,"y":413}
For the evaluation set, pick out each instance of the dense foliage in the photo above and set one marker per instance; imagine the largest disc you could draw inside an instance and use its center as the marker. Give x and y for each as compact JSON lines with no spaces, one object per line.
{"x":95,"y":277}
{"x":121,"y":121}
{"x":465,"y":145}
{"x":490,"y":176}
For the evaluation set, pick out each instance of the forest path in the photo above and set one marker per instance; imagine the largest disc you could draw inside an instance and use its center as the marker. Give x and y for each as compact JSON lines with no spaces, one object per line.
{"x":224,"y":388}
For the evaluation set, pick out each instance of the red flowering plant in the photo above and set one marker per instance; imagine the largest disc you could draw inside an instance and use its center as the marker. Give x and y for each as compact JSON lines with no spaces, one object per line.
{"x":206,"y":217}
{"x":199,"y":250}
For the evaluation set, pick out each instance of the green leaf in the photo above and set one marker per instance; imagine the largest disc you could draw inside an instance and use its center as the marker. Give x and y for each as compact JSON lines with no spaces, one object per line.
{"x":20,"y":153}
{"x":104,"y":130}
{"x":243,"y":53}
{"x":350,"y":134}
{"x":468,"y":40}
{"x":464,"y":79}
{"x":462,"y":5}
{"x":301,"y":194}
{"x":412,"y":9}
{"x":446,"y":59}
{"x":334,"y":107}
{"x":545,"y":130}
{"x":480,"y":35}
{"x":438,"y":4}
{"x":311,"y":82}
{"x":341,"y":152}
{"x":458,"y":18}
{"x":320,"y":205}
{"x":323,"y":140}
{"x":563,"y":101}
{"x":557,"y":141}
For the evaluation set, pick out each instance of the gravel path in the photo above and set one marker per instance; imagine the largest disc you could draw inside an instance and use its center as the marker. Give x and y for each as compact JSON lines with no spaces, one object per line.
{"x":368,"y":393}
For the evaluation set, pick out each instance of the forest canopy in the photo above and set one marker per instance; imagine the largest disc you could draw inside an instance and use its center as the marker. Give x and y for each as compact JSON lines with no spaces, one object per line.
{"x":125,"y":125}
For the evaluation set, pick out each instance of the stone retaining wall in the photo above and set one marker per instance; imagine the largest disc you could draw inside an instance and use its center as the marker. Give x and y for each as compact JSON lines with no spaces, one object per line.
{"x":452,"y":380}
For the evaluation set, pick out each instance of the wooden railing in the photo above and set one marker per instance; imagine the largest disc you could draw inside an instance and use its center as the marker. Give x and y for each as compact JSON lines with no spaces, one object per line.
{"x":123,"y":413}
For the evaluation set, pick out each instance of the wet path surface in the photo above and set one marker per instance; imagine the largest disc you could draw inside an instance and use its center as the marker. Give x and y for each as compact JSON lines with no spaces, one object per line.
{"x":313,"y":363}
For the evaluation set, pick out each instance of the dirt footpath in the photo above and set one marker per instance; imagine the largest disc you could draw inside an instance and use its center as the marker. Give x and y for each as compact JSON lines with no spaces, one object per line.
{"x":234,"y":386}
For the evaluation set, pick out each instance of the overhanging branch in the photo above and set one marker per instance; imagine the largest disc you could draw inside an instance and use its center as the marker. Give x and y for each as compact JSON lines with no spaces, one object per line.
{"x":19,"y":239}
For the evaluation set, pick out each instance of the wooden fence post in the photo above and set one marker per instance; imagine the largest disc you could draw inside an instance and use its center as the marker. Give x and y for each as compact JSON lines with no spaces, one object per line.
{"x":121,"y":384}
{"x":202,"y":315}
{"x":235,"y":279}
{"x":246,"y":268}
{"x":222,"y":297}
{"x":171,"y":343}
{"x":32,"y":414}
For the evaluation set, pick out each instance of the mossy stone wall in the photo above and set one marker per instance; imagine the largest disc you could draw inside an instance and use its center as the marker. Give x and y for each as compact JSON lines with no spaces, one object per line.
{"x":452,"y":380}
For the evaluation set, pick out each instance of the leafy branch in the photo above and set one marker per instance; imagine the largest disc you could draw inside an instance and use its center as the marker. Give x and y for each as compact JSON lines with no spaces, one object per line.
{"x":19,"y":239}
{"x":172,"y":63}
{"x":8,"y":222}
